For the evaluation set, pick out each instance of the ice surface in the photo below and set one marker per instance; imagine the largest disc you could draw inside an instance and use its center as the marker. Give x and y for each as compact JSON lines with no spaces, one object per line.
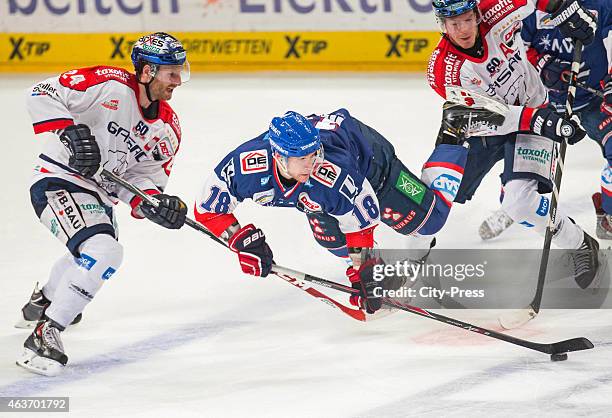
{"x":179,"y":331}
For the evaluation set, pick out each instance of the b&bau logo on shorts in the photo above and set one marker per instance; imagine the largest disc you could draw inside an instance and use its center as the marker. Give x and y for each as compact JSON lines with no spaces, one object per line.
{"x":541,"y":156}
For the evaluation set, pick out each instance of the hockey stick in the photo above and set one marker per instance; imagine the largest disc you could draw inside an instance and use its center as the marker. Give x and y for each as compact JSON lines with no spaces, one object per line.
{"x":297,"y":279}
{"x":519,"y":318}
{"x":566,"y":77}
{"x":357,"y":314}
{"x":557,"y":348}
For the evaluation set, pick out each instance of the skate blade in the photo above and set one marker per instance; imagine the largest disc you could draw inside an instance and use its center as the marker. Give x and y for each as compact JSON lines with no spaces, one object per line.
{"x":23,"y":323}
{"x":517,"y":318}
{"x":34,"y":363}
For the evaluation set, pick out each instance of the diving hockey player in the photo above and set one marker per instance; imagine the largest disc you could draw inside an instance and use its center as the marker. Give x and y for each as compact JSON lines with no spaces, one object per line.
{"x":344,"y":176}
{"x":92,"y":119}
{"x":481,"y":50}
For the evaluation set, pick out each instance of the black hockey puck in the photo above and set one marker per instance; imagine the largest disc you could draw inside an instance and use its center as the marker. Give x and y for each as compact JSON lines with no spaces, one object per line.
{"x":558,"y":357}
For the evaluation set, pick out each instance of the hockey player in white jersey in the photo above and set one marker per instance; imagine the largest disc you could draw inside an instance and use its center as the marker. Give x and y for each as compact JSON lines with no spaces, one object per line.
{"x":92,"y":119}
{"x":481,"y":51}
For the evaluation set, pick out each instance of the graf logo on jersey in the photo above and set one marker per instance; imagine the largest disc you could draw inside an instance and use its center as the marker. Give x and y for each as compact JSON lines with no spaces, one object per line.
{"x":119,"y":131}
{"x":326,"y":173}
{"x":263,"y":198}
{"x":254,"y":161}
{"x":306,"y":204}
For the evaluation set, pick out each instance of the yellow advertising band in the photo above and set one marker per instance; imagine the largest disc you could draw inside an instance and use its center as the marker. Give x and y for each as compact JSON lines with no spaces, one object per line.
{"x":228,"y":51}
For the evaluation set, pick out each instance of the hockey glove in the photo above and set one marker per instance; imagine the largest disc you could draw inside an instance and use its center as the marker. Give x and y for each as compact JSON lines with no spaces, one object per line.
{"x":254,"y":254}
{"x":553,"y":72}
{"x":83,"y":149}
{"x":362,"y":279}
{"x":606,"y":105}
{"x":546,"y":122}
{"x":573,"y":20}
{"x":460,"y":122}
{"x":170,"y":213}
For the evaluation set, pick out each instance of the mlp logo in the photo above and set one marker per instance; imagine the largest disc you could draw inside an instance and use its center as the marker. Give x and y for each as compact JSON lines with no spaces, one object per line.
{"x":254,"y":161}
{"x":446,"y":183}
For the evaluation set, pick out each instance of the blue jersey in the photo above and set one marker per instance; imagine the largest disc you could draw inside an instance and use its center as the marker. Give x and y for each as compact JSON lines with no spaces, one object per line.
{"x":543,"y":38}
{"x":338,"y":185}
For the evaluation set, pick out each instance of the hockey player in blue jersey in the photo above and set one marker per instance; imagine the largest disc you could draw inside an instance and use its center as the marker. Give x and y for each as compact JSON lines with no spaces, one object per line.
{"x":344,"y":176}
{"x":551,"y":53}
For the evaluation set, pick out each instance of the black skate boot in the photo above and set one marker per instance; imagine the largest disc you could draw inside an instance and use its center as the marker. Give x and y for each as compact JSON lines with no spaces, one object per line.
{"x":34,"y":311}
{"x":604,"y":221}
{"x":43,"y":351}
{"x":586,"y":261}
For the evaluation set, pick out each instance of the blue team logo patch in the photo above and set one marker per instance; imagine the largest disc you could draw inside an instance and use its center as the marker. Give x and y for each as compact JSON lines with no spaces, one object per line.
{"x":108,"y":273}
{"x":87,"y":262}
{"x":447,"y":184}
{"x":606,"y":176}
{"x":543,"y":206}
{"x":527,"y":224}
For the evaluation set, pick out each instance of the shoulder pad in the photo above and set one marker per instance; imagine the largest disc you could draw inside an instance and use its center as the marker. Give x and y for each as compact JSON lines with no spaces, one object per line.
{"x":167,"y":115}
{"x":84,"y":78}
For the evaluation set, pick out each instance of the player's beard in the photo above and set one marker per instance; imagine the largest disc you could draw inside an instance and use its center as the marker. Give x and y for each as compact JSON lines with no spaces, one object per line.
{"x":161,"y":91}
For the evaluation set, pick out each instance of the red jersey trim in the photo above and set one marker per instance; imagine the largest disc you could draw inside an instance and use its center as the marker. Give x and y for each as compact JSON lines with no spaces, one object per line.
{"x":363,"y":238}
{"x":216,"y":223}
{"x":51,"y":125}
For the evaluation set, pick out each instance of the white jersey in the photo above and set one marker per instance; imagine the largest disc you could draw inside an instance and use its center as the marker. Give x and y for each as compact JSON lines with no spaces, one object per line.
{"x":503,"y":73}
{"x":106,"y":99}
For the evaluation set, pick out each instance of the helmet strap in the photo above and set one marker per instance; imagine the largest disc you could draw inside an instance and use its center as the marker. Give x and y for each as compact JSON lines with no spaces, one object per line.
{"x":146,"y":85}
{"x":281,"y":164}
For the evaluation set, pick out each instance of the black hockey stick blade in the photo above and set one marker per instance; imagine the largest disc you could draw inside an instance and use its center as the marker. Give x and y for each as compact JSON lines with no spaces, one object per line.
{"x":574,"y":344}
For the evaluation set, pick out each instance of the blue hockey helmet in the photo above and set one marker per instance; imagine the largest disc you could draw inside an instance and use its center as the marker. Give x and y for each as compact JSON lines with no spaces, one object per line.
{"x":157,"y":49}
{"x":292,"y":135}
{"x":450,"y":8}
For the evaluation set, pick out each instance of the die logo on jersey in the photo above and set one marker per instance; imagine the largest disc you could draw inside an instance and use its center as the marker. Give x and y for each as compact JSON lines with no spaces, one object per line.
{"x":326,"y":173}
{"x":254,"y":161}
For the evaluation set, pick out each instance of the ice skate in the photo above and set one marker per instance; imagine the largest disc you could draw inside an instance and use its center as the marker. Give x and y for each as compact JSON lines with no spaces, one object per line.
{"x":494,"y":225}
{"x":43,"y":351}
